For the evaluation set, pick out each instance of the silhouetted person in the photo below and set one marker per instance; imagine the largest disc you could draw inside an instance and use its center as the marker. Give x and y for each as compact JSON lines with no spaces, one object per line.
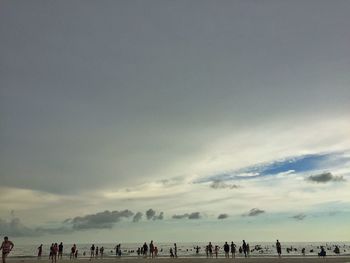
{"x":102,"y":249}
{"x":244,"y":247}
{"x":278,"y":248}
{"x":40,"y":251}
{"x":92,"y":251}
{"x":210,"y":249}
{"x":145,"y":249}
{"x":233,"y":250}
{"x":151,"y":249}
{"x":60,"y":250}
{"x":322,"y":252}
{"x":171,"y":252}
{"x":227,"y":250}
{"x":216,"y":250}
{"x":72,"y":251}
{"x":175,"y":250}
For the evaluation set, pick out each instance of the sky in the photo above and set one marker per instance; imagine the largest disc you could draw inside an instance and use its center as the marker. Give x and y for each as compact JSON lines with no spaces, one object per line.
{"x":174,"y":120}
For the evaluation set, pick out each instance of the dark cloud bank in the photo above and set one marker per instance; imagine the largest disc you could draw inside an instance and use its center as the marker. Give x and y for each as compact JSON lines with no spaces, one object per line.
{"x":325,"y":178}
{"x":217,"y":184}
{"x":194,"y":215}
{"x":254,"y":212}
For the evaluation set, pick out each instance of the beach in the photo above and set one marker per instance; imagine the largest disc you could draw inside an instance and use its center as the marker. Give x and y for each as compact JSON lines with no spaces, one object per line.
{"x":342,"y":259}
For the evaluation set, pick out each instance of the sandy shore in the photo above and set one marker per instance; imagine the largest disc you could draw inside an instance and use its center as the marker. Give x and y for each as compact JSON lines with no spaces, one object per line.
{"x":342,"y":259}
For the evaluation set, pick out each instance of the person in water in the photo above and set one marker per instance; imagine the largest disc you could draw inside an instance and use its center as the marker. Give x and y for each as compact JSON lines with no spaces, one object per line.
{"x":278,"y":248}
{"x":40,"y":251}
{"x":6,"y":248}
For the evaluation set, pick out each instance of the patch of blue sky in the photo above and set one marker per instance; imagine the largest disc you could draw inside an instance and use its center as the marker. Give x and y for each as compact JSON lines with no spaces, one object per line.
{"x":296,"y":164}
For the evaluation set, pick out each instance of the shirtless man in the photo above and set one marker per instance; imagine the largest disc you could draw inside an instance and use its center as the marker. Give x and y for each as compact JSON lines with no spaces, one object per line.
{"x":6,"y":247}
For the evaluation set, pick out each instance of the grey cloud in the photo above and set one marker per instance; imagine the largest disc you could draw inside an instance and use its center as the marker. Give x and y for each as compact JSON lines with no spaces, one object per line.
{"x":324,"y":178}
{"x":254,"y":212}
{"x":150,"y":213}
{"x":159,"y":217}
{"x":137,"y":217}
{"x":194,"y":215}
{"x":15,"y":228}
{"x":217,"y":184}
{"x":223,"y":216}
{"x":180,"y":216}
{"x":104,"y":219}
{"x":299,"y":217}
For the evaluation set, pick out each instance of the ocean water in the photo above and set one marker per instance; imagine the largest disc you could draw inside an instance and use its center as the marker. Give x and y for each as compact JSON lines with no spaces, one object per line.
{"x":188,"y":249}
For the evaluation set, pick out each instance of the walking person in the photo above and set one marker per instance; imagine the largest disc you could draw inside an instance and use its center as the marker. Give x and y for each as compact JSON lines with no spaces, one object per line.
{"x":6,"y":248}
{"x":60,"y":250}
{"x":151,"y":249}
{"x":72,"y":251}
{"x":40,"y":251}
{"x":92,"y":251}
{"x":244,"y":247}
{"x":278,"y":248}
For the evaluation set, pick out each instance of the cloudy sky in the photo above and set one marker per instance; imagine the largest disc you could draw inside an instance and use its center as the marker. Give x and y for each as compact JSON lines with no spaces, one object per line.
{"x":174,"y":120}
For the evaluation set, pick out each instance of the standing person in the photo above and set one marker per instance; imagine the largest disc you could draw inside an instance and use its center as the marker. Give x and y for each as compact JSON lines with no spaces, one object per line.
{"x":210,"y":249}
{"x":40,"y":251}
{"x":96,"y":252}
{"x":244,"y":246}
{"x":227,"y":250}
{"x":279,"y":248}
{"x":6,"y":247}
{"x":151,"y":249}
{"x":175,"y":250}
{"x":72,"y":251}
{"x":101,"y":251}
{"x":54,"y":253}
{"x":60,"y":250}
{"x":92,"y":251}
{"x":248,"y":249}
{"x":216,"y":250}
{"x":155,"y":251}
{"x":233,"y":250}
{"x":145,"y":249}
{"x":171,"y":252}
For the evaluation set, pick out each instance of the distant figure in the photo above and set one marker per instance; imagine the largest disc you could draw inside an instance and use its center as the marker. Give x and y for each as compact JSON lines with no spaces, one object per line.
{"x":96,"y":252}
{"x":40,"y":251}
{"x":92,"y":251}
{"x":278,"y":248}
{"x":233,"y":250}
{"x":175,"y":250}
{"x":216,"y":250}
{"x":155,"y":251}
{"x":6,"y":248}
{"x":138,"y":251}
{"x":303,"y":251}
{"x":336,"y":250}
{"x":60,"y":250}
{"x":197,"y":250}
{"x":145,"y":249}
{"x":76,"y":253}
{"x":171,"y":252}
{"x":210,"y":249}
{"x":54,"y":253}
{"x":207,"y":251}
{"x":248,"y":250}
{"x":72,"y":251}
{"x":151,"y":249}
{"x":322,"y":252}
{"x":240,"y":250}
{"x":244,"y":247}
{"x":102,"y":249}
{"x":227,"y":250}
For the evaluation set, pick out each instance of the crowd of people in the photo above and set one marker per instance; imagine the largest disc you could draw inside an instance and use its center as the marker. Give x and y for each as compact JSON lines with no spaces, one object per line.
{"x":151,"y":250}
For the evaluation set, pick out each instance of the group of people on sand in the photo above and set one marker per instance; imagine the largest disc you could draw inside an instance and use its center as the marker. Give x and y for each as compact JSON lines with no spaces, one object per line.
{"x":148,"y":250}
{"x":56,"y":252}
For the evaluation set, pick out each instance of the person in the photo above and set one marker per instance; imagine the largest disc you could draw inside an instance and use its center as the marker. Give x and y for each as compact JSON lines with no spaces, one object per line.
{"x":233,"y":250}
{"x":76,"y":254}
{"x":72,"y":251}
{"x":6,"y":248}
{"x":210,"y":249}
{"x":92,"y":251}
{"x":155,"y":251}
{"x":60,"y":250}
{"x":336,"y":250}
{"x":303,"y":251}
{"x":171,"y":252}
{"x":248,"y":250}
{"x":151,"y":249}
{"x":197,"y":250}
{"x":278,"y":248}
{"x":227,"y":250}
{"x":216,"y":249}
{"x":96,"y":252}
{"x":322,"y":252}
{"x":244,"y":247}
{"x":54,"y":253}
{"x":101,"y":251}
{"x":40,"y":251}
{"x":175,"y":250}
{"x":145,"y":249}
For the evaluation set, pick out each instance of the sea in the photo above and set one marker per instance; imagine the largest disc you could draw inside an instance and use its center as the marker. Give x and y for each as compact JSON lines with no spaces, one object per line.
{"x":188,"y":249}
